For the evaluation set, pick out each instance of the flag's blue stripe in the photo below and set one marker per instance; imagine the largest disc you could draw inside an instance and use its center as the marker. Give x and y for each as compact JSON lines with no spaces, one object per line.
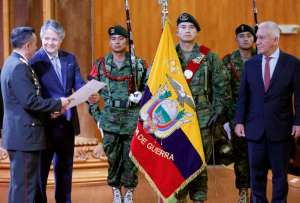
{"x":186,"y":158}
{"x":146,"y":96}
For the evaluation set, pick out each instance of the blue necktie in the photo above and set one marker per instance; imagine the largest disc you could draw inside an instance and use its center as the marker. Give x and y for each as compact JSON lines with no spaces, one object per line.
{"x":57,"y":68}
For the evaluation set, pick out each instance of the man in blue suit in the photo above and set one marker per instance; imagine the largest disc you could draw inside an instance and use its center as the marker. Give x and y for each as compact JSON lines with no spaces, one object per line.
{"x":264,"y":113}
{"x":23,"y":129}
{"x":59,"y":75}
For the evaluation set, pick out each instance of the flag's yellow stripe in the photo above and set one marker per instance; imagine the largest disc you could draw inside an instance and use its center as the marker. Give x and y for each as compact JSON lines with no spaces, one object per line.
{"x":166,"y":62}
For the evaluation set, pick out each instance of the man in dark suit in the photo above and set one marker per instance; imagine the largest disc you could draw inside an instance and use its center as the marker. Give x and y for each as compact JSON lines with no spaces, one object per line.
{"x":59,"y":75}
{"x":23,"y":131}
{"x":265,"y":112}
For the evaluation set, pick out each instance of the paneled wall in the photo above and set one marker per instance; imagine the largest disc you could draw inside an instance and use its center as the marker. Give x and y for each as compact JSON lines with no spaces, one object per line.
{"x":75,"y":16}
{"x":217,"y":19}
{"x":26,"y":13}
{"x":87,"y":22}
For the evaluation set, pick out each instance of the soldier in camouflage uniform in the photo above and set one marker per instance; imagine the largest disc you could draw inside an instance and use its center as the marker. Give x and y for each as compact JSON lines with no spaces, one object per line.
{"x":245,"y":38}
{"x":118,"y":118}
{"x":205,"y":75}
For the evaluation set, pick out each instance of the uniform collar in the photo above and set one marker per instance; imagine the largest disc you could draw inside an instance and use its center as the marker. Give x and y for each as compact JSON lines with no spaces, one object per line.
{"x":22,"y":58}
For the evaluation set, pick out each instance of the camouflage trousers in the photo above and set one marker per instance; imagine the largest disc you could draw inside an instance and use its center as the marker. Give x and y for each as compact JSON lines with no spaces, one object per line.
{"x":197,"y":189}
{"x":241,"y":163}
{"x":121,"y":170}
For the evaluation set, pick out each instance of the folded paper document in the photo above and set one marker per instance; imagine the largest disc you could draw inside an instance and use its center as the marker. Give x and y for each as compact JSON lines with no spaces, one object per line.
{"x":84,"y":92}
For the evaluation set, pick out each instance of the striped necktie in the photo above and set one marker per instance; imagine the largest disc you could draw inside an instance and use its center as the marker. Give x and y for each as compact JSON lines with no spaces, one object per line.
{"x":57,"y":67}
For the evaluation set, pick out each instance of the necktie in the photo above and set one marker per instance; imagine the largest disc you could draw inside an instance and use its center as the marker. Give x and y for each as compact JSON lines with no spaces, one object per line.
{"x":267,"y":73}
{"x":57,"y":68}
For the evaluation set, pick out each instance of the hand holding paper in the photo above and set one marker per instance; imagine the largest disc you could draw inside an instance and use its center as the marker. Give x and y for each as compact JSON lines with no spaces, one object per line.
{"x":83,"y":94}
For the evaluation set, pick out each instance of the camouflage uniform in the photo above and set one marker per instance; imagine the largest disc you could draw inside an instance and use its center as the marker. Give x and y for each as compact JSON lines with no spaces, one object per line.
{"x":208,"y":90}
{"x":118,"y":119}
{"x":235,"y":65}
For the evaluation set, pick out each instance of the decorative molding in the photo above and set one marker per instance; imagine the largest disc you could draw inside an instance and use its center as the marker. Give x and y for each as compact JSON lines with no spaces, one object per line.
{"x":289,"y":28}
{"x":88,"y":168}
{"x":3,"y":154}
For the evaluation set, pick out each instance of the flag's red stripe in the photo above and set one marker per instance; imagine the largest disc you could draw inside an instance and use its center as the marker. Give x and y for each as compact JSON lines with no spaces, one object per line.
{"x":162,"y":171}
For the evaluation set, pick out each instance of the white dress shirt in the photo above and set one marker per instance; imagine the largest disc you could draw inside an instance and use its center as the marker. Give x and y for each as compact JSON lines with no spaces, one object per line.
{"x":274,"y":59}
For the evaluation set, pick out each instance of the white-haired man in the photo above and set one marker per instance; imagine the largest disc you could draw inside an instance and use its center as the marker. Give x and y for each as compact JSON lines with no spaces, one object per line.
{"x":264,"y":113}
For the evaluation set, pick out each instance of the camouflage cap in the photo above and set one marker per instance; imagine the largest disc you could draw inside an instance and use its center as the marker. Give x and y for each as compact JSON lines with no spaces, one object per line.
{"x":118,"y":30}
{"x":245,"y":28}
{"x":186,"y":17}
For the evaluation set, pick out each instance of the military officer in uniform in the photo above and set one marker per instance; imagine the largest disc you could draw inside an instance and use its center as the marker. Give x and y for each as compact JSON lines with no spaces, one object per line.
{"x":23,"y":127}
{"x":234,"y":62}
{"x":118,"y":118}
{"x":205,"y":75}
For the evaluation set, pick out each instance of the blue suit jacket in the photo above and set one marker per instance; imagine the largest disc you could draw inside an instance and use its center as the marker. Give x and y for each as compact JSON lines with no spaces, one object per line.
{"x":51,"y":86}
{"x":23,"y":128}
{"x":269,"y":112}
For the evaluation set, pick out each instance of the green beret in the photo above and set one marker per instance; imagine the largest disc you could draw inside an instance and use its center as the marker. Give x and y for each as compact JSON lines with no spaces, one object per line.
{"x":118,"y":30}
{"x":186,"y":17}
{"x":245,"y":28}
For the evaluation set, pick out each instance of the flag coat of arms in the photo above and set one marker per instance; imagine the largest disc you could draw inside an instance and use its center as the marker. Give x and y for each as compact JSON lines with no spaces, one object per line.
{"x":167,"y":145}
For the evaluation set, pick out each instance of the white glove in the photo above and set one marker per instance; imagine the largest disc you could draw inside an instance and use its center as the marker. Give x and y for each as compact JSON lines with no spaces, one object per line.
{"x":135,"y":97}
{"x":100,"y":129}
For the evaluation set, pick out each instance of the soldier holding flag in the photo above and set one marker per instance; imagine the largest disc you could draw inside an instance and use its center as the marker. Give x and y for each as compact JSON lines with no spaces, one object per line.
{"x":205,"y":75}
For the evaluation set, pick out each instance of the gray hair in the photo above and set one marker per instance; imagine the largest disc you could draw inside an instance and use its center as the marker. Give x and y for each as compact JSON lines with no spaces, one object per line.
{"x":272,"y":26}
{"x":54,"y":26}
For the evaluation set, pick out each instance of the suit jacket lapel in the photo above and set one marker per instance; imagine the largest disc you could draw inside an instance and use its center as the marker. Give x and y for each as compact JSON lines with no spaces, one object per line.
{"x":45,"y":58}
{"x":278,"y":68}
{"x":259,"y":72}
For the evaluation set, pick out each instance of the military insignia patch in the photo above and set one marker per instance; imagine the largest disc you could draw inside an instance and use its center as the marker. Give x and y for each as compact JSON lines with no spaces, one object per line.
{"x":198,"y":59}
{"x":184,"y":17}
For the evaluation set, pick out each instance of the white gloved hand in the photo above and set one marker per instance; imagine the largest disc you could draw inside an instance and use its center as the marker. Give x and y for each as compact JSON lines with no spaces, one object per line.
{"x":100,"y":129}
{"x":135,"y":97}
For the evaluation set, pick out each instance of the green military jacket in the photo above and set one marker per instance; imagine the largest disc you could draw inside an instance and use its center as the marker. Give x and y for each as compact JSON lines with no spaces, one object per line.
{"x":234,"y":66}
{"x":207,"y":85}
{"x":118,"y":115}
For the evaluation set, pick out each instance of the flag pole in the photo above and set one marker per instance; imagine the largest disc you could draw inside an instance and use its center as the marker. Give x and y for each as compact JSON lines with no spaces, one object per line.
{"x":164,"y":11}
{"x":164,"y":14}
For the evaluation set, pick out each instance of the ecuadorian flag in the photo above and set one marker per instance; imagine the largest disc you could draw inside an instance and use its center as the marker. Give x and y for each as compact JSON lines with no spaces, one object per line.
{"x":167,"y":143}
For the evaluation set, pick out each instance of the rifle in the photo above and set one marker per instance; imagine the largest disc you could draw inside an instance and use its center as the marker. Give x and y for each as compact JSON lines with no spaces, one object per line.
{"x":164,"y":11}
{"x":131,"y":47}
{"x":255,"y":11}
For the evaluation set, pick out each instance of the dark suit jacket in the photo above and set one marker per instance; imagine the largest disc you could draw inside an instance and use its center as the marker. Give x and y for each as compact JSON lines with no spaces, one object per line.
{"x":269,"y":112}
{"x":51,"y":86}
{"x":22,"y":125}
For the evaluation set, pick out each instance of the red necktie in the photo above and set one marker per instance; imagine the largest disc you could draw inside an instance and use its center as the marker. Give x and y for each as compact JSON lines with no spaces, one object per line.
{"x":267,"y":73}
